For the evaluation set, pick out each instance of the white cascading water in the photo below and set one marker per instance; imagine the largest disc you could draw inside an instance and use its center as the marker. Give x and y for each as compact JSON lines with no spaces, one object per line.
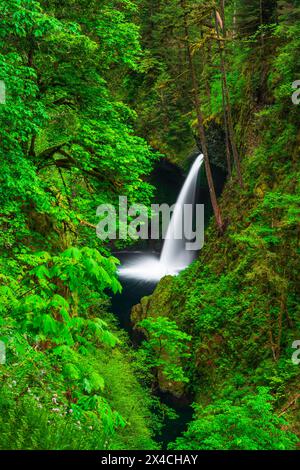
{"x":174,"y":256}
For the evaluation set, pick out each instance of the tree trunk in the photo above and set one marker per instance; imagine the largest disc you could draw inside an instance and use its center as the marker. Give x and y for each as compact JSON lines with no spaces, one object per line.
{"x":227,"y":142}
{"x":261,"y":21}
{"x":228,"y":105}
{"x":200,"y":125}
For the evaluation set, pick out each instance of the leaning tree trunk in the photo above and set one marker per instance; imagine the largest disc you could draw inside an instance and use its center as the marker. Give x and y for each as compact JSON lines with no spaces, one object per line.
{"x":200,"y":125}
{"x":227,"y":140}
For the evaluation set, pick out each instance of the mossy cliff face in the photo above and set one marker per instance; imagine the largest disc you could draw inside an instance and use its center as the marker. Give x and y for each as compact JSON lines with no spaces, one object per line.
{"x":155,"y":305}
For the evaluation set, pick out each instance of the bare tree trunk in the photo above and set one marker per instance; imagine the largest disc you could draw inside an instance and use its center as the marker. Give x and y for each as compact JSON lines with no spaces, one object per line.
{"x":228,"y":105}
{"x":262,"y":47}
{"x":234,"y":19}
{"x":222,"y":8}
{"x":261,"y":20}
{"x":200,"y":126}
{"x":221,"y":19}
{"x":227,"y":142}
{"x":206,"y":60}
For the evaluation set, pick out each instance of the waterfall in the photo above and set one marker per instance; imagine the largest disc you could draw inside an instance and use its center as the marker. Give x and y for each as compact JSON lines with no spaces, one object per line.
{"x":174,"y":256}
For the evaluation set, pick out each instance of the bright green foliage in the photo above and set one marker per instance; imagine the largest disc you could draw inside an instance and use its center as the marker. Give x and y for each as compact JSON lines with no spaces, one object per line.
{"x":54,"y":336}
{"x":83,"y":90}
{"x":165,"y":348}
{"x":250,"y":424}
{"x":71,"y":399}
{"x":70,"y":141}
{"x":67,"y":145}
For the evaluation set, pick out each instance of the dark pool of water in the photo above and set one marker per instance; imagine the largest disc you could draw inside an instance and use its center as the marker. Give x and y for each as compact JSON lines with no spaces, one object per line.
{"x":133,"y":289}
{"x":174,"y":428}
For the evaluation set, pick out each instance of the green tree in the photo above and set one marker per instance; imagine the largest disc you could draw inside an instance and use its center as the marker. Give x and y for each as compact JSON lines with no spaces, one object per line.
{"x":67,"y":144}
{"x":166,"y":346}
{"x":246,"y":425}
